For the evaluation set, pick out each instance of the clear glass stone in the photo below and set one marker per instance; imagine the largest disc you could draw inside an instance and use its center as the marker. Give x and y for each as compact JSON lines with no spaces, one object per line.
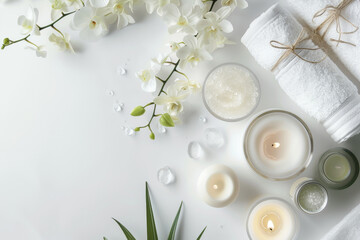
{"x":120,"y":70}
{"x":195,"y":150}
{"x":214,"y":138}
{"x":111,"y":93}
{"x":118,"y":107}
{"x":202,"y":119}
{"x":128,"y":131}
{"x":166,"y":176}
{"x":161,"y":128}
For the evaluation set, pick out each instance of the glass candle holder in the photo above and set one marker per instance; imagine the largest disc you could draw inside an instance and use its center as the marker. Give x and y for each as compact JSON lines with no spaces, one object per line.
{"x":231,"y":92}
{"x":218,"y":186}
{"x":309,"y":195}
{"x":338,"y":168}
{"x":278,"y":145}
{"x":272,"y":219}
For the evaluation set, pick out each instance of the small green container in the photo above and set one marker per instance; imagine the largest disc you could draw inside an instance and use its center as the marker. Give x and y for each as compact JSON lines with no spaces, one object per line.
{"x":338,"y":168}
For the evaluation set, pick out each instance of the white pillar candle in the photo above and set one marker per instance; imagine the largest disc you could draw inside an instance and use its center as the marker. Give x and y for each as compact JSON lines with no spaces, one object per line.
{"x":218,"y":186}
{"x":272,"y":219}
{"x":231,"y":92}
{"x":278,"y":145}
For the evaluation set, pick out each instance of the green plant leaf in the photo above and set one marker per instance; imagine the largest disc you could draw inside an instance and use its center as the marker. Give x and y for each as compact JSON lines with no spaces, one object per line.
{"x":126,"y":232}
{"x":174,"y":225}
{"x":150,"y":221}
{"x":166,"y":120}
{"x":138,"y":111}
{"x":105,"y":238}
{"x":199,"y":237}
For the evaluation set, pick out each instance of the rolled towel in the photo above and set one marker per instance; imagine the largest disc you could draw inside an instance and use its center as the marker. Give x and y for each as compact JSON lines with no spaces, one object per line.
{"x":347,"y":229}
{"x":320,"y":89}
{"x":349,"y":55}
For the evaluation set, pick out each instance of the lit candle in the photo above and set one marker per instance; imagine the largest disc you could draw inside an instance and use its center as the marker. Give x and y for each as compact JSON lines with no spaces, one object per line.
{"x":272,"y":219}
{"x":218,"y":186}
{"x":309,"y":195}
{"x":338,"y":168}
{"x":231,"y":92}
{"x":278,"y":145}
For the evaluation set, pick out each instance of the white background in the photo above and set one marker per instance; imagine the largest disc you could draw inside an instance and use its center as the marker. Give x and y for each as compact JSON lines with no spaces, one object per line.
{"x":66,"y":166}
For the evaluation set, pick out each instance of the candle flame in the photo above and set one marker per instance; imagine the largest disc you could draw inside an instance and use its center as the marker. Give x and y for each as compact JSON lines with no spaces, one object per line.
{"x":270,"y":225}
{"x":275,"y":145}
{"x":215,"y":187}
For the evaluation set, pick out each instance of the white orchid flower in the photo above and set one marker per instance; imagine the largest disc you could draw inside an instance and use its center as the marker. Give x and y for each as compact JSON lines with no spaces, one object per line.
{"x":57,"y":7}
{"x":174,"y":46}
{"x":213,"y":26}
{"x":40,"y":52}
{"x":181,"y":22}
{"x":193,"y":52}
{"x":28,"y":22}
{"x":148,"y":77}
{"x":75,"y":3}
{"x":159,"y":5}
{"x":161,"y":59}
{"x":63,"y":42}
{"x":187,"y":86}
{"x":234,"y":3}
{"x":99,"y":3}
{"x":118,"y":10}
{"x":91,"y":23}
{"x":171,"y":102}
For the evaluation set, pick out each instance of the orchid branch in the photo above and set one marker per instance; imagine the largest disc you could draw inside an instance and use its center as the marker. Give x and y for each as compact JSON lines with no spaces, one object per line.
{"x":7,"y":42}
{"x":165,"y":119}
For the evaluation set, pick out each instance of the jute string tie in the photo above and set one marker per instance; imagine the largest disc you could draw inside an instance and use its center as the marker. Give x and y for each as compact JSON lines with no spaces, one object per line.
{"x":334,"y":16}
{"x":291,"y":49}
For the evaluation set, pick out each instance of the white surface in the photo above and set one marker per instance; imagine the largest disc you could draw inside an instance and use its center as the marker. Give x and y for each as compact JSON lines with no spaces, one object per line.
{"x":67,"y":168}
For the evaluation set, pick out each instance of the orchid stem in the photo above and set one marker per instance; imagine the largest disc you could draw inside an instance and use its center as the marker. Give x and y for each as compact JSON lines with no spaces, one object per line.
{"x":53,"y":27}
{"x":32,"y":43}
{"x":182,"y":74}
{"x":40,"y":29}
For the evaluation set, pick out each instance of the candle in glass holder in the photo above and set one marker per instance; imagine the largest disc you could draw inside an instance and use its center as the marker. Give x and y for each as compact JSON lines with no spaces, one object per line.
{"x":278,"y":145}
{"x":309,"y":195}
{"x":231,"y":92}
{"x":338,"y":168}
{"x":272,"y":219}
{"x":218,"y":186}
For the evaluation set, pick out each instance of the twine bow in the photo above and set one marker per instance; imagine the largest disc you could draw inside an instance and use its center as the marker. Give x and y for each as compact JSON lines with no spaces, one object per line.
{"x":292,"y":49}
{"x":334,"y":16}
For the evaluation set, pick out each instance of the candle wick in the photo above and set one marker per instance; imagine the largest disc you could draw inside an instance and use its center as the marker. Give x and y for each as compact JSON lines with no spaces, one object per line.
{"x":275,"y":145}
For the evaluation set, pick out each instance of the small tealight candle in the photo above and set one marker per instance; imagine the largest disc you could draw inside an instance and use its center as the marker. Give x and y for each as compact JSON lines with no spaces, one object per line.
{"x":309,"y":195}
{"x":278,"y":145}
{"x":218,"y":186}
{"x":338,"y":168}
{"x":231,"y":92}
{"x":272,"y":219}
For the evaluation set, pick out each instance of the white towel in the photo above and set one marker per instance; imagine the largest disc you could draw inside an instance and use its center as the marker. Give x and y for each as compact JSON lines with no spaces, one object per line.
{"x":320,"y":89}
{"x":347,"y":229}
{"x":347,"y":54}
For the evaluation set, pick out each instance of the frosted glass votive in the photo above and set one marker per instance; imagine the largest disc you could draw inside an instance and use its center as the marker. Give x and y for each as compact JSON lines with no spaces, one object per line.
{"x":278,"y":145}
{"x":231,"y":92}
{"x":272,"y":219}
